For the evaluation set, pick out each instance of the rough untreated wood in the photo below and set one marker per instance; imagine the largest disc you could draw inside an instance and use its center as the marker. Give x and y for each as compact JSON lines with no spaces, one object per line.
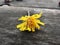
{"x":34,"y":3}
{"x":9,"y":35}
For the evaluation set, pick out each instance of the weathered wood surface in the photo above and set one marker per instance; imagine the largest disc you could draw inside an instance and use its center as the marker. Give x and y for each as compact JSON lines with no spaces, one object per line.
{"x":9,"y":35}
{"x":34,"y":3}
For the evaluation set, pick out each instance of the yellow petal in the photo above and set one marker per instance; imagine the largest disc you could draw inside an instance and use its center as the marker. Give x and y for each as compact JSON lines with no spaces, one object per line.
{"x":19,"y":25}
{"x":38,"y":21}
{"x":23,"y":18}
{"x":33,"y":30}
{"x":28,"y":29}
{"x":37,"y":26}
{"x":22,"y":28}
{"x":40,"y":14}
{"x":37,"y":15}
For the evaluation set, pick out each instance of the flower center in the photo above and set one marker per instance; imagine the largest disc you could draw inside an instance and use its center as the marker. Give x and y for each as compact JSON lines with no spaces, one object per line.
{"x":31,"y":22}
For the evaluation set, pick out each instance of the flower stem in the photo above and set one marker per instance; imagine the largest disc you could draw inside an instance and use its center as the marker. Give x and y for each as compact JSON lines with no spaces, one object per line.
{"x":28,"y":13}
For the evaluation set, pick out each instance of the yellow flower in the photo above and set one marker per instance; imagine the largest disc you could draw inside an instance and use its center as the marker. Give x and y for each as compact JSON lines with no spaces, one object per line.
{"x":30,"y":22}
